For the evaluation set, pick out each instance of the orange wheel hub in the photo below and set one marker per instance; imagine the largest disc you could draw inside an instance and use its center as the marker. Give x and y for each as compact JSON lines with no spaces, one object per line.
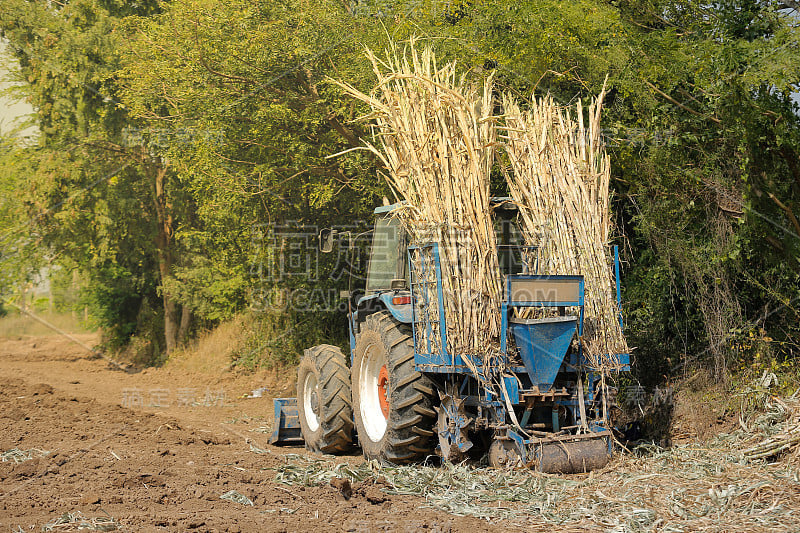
{"x":383,"y":394}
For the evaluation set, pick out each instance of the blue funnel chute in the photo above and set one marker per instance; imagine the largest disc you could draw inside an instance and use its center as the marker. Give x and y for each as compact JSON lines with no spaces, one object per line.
{"x":543,"y":343}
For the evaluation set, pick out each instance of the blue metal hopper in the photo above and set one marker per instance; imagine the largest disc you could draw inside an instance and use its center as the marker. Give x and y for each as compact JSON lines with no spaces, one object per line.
{"x":543,"y":343}
{"x":286,"y":422}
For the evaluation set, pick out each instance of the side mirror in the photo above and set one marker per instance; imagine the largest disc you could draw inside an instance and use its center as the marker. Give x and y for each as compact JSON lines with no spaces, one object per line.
{"x":397,"y":284}
{"x":326,"y":237}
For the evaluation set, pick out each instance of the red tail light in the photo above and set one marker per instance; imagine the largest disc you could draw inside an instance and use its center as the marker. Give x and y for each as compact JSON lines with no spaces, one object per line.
{"x":401,"y":300}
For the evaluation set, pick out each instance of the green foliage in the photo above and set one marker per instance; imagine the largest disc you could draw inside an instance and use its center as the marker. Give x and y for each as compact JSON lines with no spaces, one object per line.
{"x":256,"y":121}
{"x":230,"y":104}
{"x":20,"y":253}
{"x":67,"y":289}
{"x":213,"y":291}
{"x":83,"y":199}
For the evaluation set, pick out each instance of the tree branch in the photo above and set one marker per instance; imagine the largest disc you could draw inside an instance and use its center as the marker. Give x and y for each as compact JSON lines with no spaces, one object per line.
{"x":788,"y":210}
{"x":677,"y":103}
{"x":208,"y":68}
{"x":303,"y":77}
{"x":791,"y":159}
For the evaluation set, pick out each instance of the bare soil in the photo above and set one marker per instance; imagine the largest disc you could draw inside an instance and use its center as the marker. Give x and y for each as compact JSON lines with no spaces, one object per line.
{"x":156,"y":449}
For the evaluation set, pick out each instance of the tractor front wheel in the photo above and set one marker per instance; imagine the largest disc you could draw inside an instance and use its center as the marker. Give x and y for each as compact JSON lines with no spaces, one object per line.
{"x":323,"y":400}
{"x":392,"y":402}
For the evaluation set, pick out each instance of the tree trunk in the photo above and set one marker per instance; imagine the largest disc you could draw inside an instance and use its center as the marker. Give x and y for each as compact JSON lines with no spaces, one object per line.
{"x":51,"y":305}
{"x":23,"y":304}
{"x":791,"y":160}
{"x":74,"y":288}
{"x":186,"y":323}
{"x":157,"y":170}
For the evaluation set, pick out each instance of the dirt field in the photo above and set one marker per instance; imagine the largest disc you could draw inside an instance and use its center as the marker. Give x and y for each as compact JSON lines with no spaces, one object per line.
{"x":155,"y":450}
{"x":158,"y":450}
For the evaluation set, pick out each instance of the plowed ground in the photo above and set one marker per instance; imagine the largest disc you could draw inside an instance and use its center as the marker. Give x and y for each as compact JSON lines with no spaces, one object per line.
{"x":156,"y":449}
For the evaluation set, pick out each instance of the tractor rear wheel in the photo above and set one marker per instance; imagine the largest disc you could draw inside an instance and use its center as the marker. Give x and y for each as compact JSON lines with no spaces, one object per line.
{"x":392,"y":402}
{"x":323,"y":400}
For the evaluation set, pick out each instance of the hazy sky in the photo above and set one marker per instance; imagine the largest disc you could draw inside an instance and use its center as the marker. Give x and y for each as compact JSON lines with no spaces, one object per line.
{"x":10,"y":109}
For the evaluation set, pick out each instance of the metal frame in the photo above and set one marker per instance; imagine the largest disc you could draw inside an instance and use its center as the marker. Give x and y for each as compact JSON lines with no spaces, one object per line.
{"x":431,"y":354}
{"x":508,"y":302}
{"x":286,"y":422}
{"x":430,"y":360}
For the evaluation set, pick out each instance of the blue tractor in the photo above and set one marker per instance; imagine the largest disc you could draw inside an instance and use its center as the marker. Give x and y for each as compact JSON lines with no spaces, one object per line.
{"x":403,"y":398}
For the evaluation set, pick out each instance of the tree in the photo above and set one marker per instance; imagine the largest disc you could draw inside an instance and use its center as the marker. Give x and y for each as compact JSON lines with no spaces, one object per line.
{"x":20,"y":257}
{"x":238,"y":91}
{"x":99,"y":200}
{"x":703,"y":133}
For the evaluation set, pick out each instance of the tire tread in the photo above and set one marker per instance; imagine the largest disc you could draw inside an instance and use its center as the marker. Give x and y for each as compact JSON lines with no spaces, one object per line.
{"x":337,"y":417}
{"x":409,"y":436}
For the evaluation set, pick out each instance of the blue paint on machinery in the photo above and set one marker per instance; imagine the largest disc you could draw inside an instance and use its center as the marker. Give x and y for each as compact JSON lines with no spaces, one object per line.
{"x":286,"y":422}
{"x":537,"y":400}
{"x":543,"y":343}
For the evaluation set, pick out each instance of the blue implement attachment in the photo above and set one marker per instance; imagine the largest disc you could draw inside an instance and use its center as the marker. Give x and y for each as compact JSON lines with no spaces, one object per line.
{"x":286,"y":422}
{"x":543,"y":343}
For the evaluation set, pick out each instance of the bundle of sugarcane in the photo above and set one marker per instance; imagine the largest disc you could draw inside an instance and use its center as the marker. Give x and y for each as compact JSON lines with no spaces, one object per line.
{"x":558,"y":175}
{"x":781,"y":423}
{"x":437,"y":137}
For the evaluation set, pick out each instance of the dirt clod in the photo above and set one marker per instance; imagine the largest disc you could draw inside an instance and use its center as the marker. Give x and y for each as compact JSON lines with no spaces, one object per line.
{"x":14,"y":413}
{"x":26,"y":469}
{"x":375,"y":496}
{"x":344,"y":487}
{"x":90,"y":499}
{"x":41,"y":389}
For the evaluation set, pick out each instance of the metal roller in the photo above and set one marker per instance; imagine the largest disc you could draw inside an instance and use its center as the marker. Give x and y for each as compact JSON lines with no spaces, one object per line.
{"x":570,"y":457}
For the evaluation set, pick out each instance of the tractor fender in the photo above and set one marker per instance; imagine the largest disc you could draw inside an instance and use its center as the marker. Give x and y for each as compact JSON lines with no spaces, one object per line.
{"x":401,"y":313}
